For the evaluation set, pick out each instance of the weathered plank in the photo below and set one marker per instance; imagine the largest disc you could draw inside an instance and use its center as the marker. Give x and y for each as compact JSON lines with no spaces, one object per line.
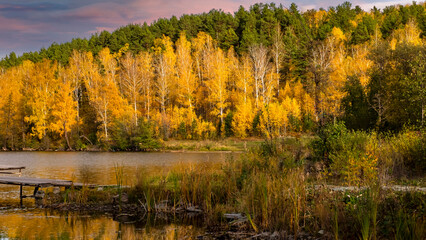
{"x":7,"y":169}
{"x":10,"y":167}
{"x":39,"y":183}
{"x":42,"y":182}
{"x":26,"y":181}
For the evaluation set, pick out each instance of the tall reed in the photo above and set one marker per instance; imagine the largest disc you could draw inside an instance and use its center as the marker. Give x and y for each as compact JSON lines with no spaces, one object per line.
{"x":119,"y":175}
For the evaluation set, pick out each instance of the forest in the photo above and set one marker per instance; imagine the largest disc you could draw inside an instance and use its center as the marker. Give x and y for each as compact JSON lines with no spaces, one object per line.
{"x":268,"y":71}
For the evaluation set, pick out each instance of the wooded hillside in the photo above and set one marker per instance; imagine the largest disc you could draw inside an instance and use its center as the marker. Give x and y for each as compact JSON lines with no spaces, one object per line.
{"x":266,"y":71}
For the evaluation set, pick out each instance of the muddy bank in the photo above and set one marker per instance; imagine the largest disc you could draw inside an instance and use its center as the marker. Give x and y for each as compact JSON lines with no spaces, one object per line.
{"x":229,"y":226}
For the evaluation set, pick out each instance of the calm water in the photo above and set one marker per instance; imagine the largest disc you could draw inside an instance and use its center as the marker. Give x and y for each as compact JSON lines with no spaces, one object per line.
{"x":93,"y":168}
{"x":41,"y":224}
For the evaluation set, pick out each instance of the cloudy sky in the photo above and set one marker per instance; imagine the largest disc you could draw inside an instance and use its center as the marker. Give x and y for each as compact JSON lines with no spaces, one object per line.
{"x":28,"y":25}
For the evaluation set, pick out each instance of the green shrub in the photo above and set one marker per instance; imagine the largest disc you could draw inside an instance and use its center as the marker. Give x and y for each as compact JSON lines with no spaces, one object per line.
{"x":228,"y":124}
{"x":141,"y":138}
{"x":347,"y":154}
{"x":404,"y":154}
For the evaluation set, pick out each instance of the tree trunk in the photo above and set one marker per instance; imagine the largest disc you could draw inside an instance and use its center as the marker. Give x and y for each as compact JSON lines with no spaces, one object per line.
{"x":23,"y":139}
{"x":148,"y":108}
{"x":136,"y":112}
{"x":222,"y":125}
{"x":105,"y":125}
{"x":78,"y":114}
{"x":66,"y":136}
{"x":317,"y":100}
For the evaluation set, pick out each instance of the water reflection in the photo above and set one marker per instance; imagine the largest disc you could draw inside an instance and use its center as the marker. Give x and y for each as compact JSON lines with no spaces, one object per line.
{"x":99,"y":168}
{"x":38,"y":224}
{"x":93,"y":168}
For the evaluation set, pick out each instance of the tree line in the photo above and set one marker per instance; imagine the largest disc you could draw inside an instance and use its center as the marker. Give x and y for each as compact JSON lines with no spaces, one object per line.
{"x":267,"y":71}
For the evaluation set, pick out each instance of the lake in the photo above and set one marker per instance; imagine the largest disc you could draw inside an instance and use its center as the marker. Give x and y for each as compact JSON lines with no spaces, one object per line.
{"x":93,"y":168}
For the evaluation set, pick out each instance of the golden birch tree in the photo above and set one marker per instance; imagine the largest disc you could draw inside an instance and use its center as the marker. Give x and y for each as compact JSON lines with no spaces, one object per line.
{"x":64,"y":108}
{"x":165,"y":68}
{"x":10,"y":105}
{"x":186,"y":80}
{"x":41,"y":86}
{"x":202,"y":50}
{"x":132,"y":82}
{"x":260,"y":63}
{"x":103,"y":93}
{"x":218,"y":92}
{"x":244,"y":112}
{"x":277,"y":50}
{"x":146,"y":71}
{"x":164,"y":63}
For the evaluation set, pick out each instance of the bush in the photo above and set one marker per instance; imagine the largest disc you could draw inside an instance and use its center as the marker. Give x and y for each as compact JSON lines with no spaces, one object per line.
{"x":228,"y":124}
{"x":405,"y":153}
{"x":140,"y":139}
{"x":347,"y":154}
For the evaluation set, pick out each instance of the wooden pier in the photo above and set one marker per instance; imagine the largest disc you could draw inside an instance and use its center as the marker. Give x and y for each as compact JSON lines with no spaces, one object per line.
{"x":6,"y":169}
{"x":37,"y":183}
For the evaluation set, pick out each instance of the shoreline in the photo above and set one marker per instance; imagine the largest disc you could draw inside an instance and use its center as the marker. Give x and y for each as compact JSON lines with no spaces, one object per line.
{"x":157,"y":151}
{"x":234,"y":225}
{"x":172,"y":145}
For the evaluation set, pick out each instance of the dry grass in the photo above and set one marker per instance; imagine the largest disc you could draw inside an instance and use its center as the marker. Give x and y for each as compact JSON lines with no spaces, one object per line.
{"x":212,"y":145}
{"x":270,"y":185}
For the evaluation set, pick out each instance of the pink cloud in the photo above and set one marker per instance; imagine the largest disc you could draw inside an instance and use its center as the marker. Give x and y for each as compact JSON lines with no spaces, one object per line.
{"x":100,"y":29}
{"x":165,"y":9}
{"x":105,"y":13}
{"x":110,"y":15}
{"x":14,"y":25}
{"x":380,"y":4}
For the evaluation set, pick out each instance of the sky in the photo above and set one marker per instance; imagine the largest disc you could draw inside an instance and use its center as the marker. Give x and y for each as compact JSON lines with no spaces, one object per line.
{"x":29,"y":25}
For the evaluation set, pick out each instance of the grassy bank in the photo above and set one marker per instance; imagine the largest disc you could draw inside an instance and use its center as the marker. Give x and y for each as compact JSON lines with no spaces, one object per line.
{"x":225,"y":144}
{"x":281,"y":185}
{"x":229,"y":144}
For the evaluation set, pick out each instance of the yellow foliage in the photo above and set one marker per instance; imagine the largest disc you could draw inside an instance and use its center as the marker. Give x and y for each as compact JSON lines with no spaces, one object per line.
{"x":64,"y":109}
{"x":292,"y":107}
{"x":41,"y":85}
{"x":244,"y":78}
{"x":165,"y":65}
{"x":131,"y":83}
{"x":186,"y":77}
{"x":362,"y":170}
{"x":320,"y":16}
{"x":338,"y":34}
{"x":410,"y":34}
{"x":104,"y":95}
{"x":331,"y":88}
{"x":181,"y":115}
{"x":218,"y":83}
{"x":11,"y":99}
{"x":243,"y":119}
{"x":273,"y":120}
{"x":122,"y":51}
{"x":204,"y":129}
{"x":270,"y":85}
{"x":358,"y":64}
{"x":146,"y":71}
{"x":297,"y":93}
{"x":202,"y":51}
{"x":393,"y":43}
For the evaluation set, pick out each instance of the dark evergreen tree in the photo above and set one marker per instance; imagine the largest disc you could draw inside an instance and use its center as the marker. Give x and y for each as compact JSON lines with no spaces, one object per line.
{"x":363,"y":31}
{"x":357,"y":112}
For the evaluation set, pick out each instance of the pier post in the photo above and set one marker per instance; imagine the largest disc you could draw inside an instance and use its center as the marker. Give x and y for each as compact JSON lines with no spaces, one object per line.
{"x":20,"y":194}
